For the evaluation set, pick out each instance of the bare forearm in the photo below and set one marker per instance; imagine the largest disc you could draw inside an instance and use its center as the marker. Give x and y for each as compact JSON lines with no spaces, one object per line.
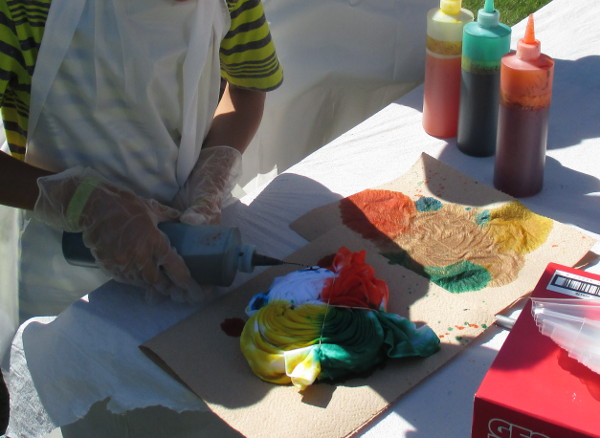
{"x":237,"y":118}
{"x":18,"y":186}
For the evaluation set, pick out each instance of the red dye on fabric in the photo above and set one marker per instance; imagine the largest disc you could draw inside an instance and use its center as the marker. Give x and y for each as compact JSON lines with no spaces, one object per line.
{"x":377,"y":214}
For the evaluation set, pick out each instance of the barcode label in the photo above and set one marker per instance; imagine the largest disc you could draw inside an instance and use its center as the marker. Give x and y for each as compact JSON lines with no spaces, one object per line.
{"x":574,"y":285}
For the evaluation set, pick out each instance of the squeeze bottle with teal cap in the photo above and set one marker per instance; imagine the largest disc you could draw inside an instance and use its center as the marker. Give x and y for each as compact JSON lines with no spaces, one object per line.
{"x":485,"y":42}
{"x":442,"y":67}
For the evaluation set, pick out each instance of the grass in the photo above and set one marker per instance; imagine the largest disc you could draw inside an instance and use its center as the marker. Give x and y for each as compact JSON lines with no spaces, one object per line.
{"x":511,"y":11}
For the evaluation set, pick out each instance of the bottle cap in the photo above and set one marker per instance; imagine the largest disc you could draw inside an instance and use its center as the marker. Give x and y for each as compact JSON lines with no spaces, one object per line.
{"x":245,"y":258}
{"x":488,"y":16}
{"x":451,"y":7}
{"x":528,"y":48}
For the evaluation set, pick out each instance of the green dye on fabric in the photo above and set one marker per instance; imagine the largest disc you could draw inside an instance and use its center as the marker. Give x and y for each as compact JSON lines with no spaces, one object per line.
{"x":354,"y":341}
{"x":459,"y":277}
{"x":428,"y":204}
{"x":483,"y":218}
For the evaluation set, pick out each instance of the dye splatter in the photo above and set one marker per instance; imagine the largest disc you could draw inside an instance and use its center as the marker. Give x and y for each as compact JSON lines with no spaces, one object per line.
{"x":456,"y":330}
{"x":233,"y":327}
{"x":459,"y":248}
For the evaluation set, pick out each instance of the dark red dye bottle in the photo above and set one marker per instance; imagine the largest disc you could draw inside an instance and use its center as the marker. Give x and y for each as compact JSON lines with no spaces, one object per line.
{"x":525,"y":95}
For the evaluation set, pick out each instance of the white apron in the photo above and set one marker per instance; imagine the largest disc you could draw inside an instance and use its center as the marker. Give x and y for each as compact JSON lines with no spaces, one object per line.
{"x":128,"y":87}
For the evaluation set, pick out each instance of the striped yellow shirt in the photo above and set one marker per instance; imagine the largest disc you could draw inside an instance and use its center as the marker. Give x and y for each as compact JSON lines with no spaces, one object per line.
{"x":248,"y":57}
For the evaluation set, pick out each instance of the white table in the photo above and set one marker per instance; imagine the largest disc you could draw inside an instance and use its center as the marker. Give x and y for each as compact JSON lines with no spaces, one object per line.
{"x":374,"y":152}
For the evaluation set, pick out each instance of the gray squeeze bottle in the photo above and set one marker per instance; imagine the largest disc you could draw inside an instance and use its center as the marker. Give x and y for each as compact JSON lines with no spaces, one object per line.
{"x":213,"y":254}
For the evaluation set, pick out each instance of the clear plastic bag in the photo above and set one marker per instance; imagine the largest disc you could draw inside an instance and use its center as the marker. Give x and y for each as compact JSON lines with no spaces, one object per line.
{"x":574,"y":324}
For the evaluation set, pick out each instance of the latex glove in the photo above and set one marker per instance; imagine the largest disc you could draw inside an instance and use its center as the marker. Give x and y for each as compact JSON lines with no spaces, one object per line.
{"x":120,"y":229}
{"x":209,"y":184}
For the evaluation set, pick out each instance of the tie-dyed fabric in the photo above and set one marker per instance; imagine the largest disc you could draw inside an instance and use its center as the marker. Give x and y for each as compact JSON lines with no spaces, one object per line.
{"x":328,"y":324}
{"x":459,"y":248}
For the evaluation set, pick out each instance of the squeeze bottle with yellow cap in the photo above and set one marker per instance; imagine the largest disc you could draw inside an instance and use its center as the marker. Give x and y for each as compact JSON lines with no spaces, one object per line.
{"x":525,"y":94}
{"x":485,"y":42}
{"x":442,"y":67}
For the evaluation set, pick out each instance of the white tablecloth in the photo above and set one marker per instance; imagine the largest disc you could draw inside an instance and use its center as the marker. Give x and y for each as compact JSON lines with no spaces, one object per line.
{"x":89,"y":353}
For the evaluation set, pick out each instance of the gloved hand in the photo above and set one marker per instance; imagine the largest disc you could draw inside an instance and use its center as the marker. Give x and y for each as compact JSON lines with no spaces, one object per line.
{"x":120,"y":229}
{"x":209,"y":184}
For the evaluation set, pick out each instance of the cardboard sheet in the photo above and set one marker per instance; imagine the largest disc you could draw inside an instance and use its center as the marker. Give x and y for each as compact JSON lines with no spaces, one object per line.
{"x":200,"y":353}
{"x":427,"y":177}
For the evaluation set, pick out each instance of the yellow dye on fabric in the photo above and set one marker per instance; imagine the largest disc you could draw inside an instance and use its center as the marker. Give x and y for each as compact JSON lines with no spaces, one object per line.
{"x":285,"y":344}
{"x":517,"y":229}
{"x":279,"y":328}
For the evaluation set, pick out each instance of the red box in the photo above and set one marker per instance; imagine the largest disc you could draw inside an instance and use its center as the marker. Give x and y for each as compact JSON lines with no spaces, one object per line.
{"x":533,"y":388}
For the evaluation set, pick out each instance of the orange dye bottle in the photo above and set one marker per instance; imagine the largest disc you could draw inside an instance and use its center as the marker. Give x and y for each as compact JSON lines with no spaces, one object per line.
{"x":525,"y":93}
{"x":442,"y":68}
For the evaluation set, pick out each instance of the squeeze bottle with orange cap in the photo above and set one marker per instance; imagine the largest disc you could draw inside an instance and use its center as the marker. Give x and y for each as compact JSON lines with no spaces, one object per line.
{"x":525,"y":94}
{"x":485,"y":42}
{"x":442,"y":67}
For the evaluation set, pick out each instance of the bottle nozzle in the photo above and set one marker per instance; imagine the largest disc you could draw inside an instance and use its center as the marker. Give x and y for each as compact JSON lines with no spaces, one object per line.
{"x":488,"y":16}
{"x":451,"y":7}
{"x":529,"y":31}
{"x":528,"y":48}
{"x":263,"y":260}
